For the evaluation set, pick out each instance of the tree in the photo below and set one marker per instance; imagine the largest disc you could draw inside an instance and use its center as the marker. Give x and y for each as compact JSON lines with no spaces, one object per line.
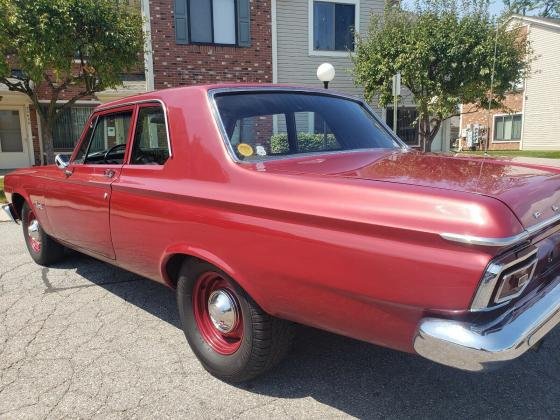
{"x":447,"y":54}
{"x":543,"y":8}
{"x":66,"y":49}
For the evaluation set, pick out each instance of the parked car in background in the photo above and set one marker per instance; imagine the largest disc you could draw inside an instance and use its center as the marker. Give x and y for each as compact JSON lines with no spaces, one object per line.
{"x":264,"y":206}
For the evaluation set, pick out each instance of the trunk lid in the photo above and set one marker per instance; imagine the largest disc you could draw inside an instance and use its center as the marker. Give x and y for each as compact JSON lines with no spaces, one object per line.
{"x":532,"y":192}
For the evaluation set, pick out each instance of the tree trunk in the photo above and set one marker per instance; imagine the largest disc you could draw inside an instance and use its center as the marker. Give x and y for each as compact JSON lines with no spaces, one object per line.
{"x":427,"y":133}
{"x":48,"y":145}
{"x":424,"y":133}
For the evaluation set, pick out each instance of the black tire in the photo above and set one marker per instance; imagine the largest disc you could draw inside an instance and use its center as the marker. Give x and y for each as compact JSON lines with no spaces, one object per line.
{"x":49,"y":251}
{"x":265,"y":340}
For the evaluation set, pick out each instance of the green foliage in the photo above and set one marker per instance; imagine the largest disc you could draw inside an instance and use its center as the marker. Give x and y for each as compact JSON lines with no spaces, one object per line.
{"x":445,"y":54}
{"x":85,"y":45}
{"x":549,"y":154}
{"x":307,"y":142}
{"x":2,"y":195}
{"x":543,"y":8}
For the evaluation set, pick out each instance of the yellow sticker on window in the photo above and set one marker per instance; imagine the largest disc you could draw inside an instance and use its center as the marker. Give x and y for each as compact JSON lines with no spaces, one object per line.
{"x":245,"y":149}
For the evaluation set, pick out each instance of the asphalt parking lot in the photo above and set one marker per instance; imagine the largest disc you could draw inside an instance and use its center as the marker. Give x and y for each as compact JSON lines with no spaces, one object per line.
{"x":85,"y":339}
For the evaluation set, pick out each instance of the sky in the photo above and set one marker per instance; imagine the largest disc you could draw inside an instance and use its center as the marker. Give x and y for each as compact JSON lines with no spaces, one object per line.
{"x":496,"y":6}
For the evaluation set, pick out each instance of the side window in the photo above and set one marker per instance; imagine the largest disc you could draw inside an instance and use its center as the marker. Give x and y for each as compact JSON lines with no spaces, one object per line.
{"x":150,"y":145}
{"x":108,"y":142}
{"x":80,"y":156}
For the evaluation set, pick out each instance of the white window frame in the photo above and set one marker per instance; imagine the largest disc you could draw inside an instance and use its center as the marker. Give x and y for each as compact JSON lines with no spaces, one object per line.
{"x":513,"y":114}
{"x":321,"y":53}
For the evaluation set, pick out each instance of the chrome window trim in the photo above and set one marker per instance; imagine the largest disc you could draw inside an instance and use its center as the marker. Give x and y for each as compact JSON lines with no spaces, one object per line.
{"x":140,"y":102}
{"x":489,"y":282}
{"x":274,"y":89}
{"x":501,"y":242}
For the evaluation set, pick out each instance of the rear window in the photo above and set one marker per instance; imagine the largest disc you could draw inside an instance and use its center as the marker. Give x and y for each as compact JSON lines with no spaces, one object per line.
{"x":268,"y":125}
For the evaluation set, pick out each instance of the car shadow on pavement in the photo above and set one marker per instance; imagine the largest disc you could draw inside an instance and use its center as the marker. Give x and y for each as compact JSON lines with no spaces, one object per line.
{"x":363,"y":380}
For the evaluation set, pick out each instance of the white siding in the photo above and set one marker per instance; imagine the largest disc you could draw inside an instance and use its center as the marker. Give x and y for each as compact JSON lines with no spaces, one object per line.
{"x":295,"y":64}
{"x":541,"y":125}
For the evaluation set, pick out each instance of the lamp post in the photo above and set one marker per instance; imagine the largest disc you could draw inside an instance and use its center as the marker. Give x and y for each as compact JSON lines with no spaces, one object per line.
{"x":325,"y":73}
{"x":396,"y":93}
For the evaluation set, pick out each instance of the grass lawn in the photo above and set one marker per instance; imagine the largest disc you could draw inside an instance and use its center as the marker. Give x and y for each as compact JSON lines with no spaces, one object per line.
{"x":2,"y":196}
{"x":551,"y":154}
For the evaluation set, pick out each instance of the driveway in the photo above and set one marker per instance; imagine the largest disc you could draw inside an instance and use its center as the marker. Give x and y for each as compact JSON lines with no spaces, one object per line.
{"x":85,"y":339}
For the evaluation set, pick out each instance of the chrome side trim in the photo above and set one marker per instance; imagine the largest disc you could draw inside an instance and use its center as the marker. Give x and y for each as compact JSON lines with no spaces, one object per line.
{"x":484,"y":241}
{"x":216,"y":114}
{"x":490,"y":279}
{"x":501,"y":242}
{"x":479,"y":347}
{"x":144,"y":101}
{"x":11,"y":213}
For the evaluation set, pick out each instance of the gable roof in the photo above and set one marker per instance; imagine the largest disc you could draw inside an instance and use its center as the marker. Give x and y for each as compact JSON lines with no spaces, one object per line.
{"x":544,"y":21}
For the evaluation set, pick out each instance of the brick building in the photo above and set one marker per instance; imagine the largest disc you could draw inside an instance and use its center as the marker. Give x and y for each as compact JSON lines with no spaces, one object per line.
{"x":529,"y":120}
{"x":210,"y":41}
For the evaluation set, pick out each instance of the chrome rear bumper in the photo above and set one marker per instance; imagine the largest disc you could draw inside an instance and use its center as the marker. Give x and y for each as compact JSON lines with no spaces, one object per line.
{"x":10,"y":212}
{"x":478,"y":347}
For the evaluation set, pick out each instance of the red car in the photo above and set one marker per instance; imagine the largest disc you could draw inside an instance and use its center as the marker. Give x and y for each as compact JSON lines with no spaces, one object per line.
{"x":265,"y":206}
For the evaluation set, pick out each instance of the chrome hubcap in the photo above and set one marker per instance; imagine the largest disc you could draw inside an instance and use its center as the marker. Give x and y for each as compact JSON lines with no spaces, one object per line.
{"x":33,"y":230}
{"x":223,"y":310}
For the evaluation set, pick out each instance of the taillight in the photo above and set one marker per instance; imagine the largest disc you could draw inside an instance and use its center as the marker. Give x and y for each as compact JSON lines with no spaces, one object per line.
{"x":513,"y":281}
{"x":505,"y":279}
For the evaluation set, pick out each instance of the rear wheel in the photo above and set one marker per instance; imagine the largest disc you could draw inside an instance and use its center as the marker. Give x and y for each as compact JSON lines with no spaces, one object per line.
{"x":43,"y":249}
{"x":234,"y":339}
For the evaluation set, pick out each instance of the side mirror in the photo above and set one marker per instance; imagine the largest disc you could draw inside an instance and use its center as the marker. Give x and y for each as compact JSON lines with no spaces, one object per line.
{"x":62,"y":161}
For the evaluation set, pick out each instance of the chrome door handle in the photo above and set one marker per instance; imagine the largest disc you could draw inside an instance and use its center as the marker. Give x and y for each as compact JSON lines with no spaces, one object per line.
{"x":109,"y":173}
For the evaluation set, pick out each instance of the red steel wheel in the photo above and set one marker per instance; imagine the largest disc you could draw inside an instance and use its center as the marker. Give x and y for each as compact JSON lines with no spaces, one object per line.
{"x":42,"y":248}
{"x":234,"y":339}
{"x":217,"y":312}
{"x":33,"y":232}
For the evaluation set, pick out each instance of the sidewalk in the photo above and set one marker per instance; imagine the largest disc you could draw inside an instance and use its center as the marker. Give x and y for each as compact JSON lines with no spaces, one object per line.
{"x":4,"y":217}
{"x":538,"y":161}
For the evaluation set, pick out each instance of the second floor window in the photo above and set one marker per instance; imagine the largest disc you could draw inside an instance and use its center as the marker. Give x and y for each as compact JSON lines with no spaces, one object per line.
{"x":212,"y":21}
{"x":333,"y":26}
{"x":221,"y":22}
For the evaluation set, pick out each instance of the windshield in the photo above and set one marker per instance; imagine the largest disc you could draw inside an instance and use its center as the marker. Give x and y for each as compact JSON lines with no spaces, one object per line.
{"x":268,"y":125}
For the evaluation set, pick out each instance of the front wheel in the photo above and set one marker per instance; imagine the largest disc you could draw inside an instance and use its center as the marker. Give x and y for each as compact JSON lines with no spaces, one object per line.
{"x":43,"y":249}
{"x":234,"y":339}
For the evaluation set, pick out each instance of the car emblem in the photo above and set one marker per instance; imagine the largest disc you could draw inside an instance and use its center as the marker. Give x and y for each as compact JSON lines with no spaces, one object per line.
{"x":537,"y":214}
{"x":555,"y":207}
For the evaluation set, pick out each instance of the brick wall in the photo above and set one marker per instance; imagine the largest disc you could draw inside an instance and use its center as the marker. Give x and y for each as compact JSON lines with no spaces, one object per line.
{"x":176,"y":65}
{"x":472,"y":115}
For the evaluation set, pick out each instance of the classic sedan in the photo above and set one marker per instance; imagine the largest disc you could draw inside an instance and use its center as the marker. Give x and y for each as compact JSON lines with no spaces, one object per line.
{"x":266,"y":206}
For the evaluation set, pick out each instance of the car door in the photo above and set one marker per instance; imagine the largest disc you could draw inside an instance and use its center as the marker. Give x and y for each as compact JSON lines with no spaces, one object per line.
{"x":78,"y":200}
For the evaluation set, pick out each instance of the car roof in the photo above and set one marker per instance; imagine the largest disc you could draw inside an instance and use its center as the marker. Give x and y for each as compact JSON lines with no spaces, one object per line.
{"x":169,"y":93}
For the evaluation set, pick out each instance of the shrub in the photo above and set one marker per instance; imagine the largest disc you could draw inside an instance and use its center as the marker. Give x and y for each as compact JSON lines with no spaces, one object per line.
{"x":307,"y":142}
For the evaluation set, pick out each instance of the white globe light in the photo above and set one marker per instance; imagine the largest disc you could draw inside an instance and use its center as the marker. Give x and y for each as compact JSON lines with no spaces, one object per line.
{"x":325,"y":72}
